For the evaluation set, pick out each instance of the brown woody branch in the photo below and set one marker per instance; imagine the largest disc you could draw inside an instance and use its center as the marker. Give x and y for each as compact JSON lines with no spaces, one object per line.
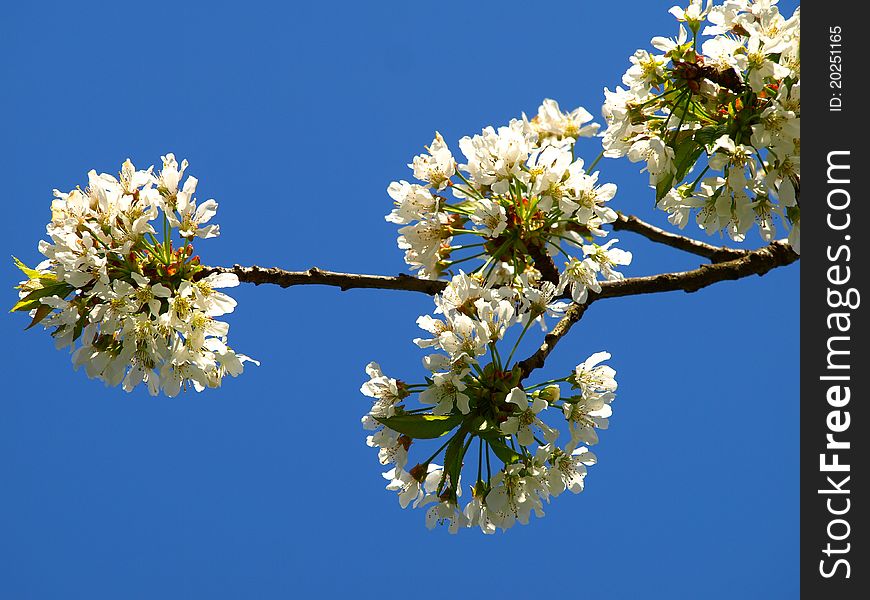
{"x":755,"y":262}
{"x":346,"y":281}
{"x":314,"y":276}
{"x":726,"y":264}
{"x":680,"y":242}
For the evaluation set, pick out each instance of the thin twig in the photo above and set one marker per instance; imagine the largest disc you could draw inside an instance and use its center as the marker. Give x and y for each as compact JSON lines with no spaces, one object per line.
{"x":680,"y":242}
{"x":345,"y":281}
{"x":727,"y":264}
{"x":314,"y":276}
{"x":634,"y":285}
{"x":755,"y":262}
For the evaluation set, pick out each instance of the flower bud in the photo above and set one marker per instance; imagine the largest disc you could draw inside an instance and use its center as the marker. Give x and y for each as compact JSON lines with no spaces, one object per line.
{"x":550,"y":393}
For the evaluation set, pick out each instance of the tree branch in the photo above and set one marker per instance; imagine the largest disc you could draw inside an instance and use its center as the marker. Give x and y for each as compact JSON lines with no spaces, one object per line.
{"x":774,"y":255}
{"x":727,"y":264}
{"x":345,"y":281}
{"x":680,"y":242}
{"x":755,"y":262}
{"x":314,"y":276}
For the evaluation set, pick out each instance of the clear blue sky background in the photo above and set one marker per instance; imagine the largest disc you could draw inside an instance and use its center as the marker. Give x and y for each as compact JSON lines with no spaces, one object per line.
{"x":296,"y":118}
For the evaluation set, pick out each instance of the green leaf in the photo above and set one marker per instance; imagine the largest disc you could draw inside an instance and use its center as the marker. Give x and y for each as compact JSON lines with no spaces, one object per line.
{"x":685,"y":156}
{"x":31,"y":300}
{"x":422,"y":426}
{"x":42,"y":311}
{"x":664,"y":186}
{"x":504,"y":453}
{"x":690,"y":162}
{"x":31,"y":273}
{"x":77,"y":330}
{"x":709,"y":134}
{"x":453,"y":458}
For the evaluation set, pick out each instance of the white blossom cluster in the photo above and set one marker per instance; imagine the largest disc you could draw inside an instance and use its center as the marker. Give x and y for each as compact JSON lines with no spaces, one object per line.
{"x":493,"y":422}
{"x":517,"y":202}
{"x":133,"y":309}
{"x":730,"y":93}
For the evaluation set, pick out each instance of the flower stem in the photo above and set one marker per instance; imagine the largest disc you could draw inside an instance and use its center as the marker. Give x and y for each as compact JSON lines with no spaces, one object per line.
{"x":479,"y":458}
{"x":438,"y":451}
{"x":167,"y":243}
{"x":468,"y":183}
{"x":519,"y":339}
{"x":456,"y":262}
{"x":595,"y":162}
{"x":545,"y":383}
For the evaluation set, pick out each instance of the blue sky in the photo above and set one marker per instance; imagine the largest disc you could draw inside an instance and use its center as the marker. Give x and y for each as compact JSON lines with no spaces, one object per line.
{"x":296,"y":118}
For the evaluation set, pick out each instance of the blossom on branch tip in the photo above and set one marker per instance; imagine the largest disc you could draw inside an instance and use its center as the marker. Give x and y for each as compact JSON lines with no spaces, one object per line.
{"x":474,"y":409}
{"x":728,"y":96}
{"x":133,"y":308}
{"x":520,"y":199}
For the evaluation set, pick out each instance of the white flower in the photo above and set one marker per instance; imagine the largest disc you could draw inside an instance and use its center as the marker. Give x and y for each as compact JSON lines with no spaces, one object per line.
{"x":586,"y":414}
{"x":490,"y":217}
{"x":550,"y":168}
{"x":210,"y":301}
{"x":721,"y":53}
{"x":659,"y":157}
{"x":585,"y":200}
{"x":191,"y":219}
{"x":461,"y":294}
{"x":778,"y":125}
{"x":135,"y":310}
{"x":552,"y":122}
{"x":646,"y":71}
{"x":496,"y":157}
{"x":466,"y":337}
{"x":424,"y":242}
{"x":617,"y":111}
{"x":606,"y":257}
{"x":496,"y":317}
{"x":756,"y":61}
{"x":437,"y":167}
{"x":668,"y":45}
{"x":446,"y":394}
{"x":435,"y":327}
{"x":444,"y":512}
{"x":181,"y":370}
{"x":724,"y":17}
{"x":783,"y":179}
{"x":412,"y":202}
{"x":568,"y":470}
{"x":539,"y":302}
{"x":477,"y":515}
{"x":675,"y":204}
{"x":592,"y":378}
{"x":392,"y":447}
{"x":581,"y":276}
{"x":715,"y":207}
{"x":410,"y":489}
{"x":171,"y":174}
{"x":512,"y":498}
{"x":693,"y":14}
{"x":384,"y":389}
{"x":521,"y":421}
{"x":764,"y":211}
